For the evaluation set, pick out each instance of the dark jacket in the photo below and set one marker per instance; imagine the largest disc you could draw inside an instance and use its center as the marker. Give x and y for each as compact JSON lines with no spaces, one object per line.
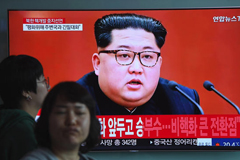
{"x":16,"y":134}
{"x":163,"y":101}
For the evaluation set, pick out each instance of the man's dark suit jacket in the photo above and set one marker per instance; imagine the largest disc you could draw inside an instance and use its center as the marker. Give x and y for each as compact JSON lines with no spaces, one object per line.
{"x":163,"y":101}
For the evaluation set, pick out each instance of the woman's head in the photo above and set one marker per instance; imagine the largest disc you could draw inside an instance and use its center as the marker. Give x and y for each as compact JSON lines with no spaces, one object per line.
{"x":68,"y":119}
{"x":22,"y":78}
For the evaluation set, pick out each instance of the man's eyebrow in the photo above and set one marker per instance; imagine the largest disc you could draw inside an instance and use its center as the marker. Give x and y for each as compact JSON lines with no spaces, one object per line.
{"x":147,"y":47}
{"x":128,"y":47}
{"x":124,"y":46}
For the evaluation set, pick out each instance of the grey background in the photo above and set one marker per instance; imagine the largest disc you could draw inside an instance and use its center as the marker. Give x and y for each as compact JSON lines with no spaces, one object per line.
{"x":122,"y":4}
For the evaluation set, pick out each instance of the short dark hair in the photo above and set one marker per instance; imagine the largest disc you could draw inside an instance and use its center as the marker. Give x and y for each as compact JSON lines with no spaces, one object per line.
{"x":18,"y":74}
{"x":105,"y":25}
{"x":72,"y":92}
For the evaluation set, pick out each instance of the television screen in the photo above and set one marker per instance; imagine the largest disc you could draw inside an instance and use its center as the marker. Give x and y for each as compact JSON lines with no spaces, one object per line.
{"x":201,"y":44}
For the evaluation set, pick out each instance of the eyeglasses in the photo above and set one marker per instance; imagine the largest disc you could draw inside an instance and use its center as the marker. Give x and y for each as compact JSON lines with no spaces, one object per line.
{"x":46,"y":81}
{"x":126,"y":57}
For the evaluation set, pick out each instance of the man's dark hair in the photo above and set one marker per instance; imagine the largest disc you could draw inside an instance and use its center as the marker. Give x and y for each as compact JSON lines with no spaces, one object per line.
{"x":105,"y":25}
{"x":18,"y":74}
{"x":72,"y":92}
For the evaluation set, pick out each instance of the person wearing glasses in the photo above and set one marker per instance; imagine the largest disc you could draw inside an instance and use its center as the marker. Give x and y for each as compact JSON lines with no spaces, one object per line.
{"x":127,"y":66}
{"x":23,"y":88}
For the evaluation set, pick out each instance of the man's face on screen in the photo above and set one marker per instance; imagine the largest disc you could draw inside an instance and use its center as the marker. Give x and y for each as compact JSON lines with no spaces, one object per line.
{"x":128,"y":85}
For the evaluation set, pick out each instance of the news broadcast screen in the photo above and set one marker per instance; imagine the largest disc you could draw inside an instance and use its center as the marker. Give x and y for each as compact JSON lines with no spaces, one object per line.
{"x":201,"y":44}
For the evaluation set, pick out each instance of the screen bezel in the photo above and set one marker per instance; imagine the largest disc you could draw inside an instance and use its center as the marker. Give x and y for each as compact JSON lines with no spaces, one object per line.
{"x":197,"y":8}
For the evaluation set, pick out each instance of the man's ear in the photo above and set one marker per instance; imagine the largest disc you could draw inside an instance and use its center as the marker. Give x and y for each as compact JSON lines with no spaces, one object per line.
{"x":96,"y":63}
{"x":160,"y":60}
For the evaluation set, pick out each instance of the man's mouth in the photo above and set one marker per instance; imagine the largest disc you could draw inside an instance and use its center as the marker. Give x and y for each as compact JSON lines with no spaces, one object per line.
{"x":134,"y":84}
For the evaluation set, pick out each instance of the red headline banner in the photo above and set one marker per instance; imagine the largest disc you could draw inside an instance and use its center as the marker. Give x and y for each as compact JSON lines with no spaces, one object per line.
{"x":170,"y":126}
{"x":44,"y":20}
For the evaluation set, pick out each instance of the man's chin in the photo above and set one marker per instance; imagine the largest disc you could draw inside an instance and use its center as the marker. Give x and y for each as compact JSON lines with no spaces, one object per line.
{"x":130,"y":100}
{"x":133,"y":102}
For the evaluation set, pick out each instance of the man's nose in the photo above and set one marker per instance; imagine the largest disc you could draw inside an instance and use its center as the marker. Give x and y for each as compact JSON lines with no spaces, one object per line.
{"x":136,"y":66}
